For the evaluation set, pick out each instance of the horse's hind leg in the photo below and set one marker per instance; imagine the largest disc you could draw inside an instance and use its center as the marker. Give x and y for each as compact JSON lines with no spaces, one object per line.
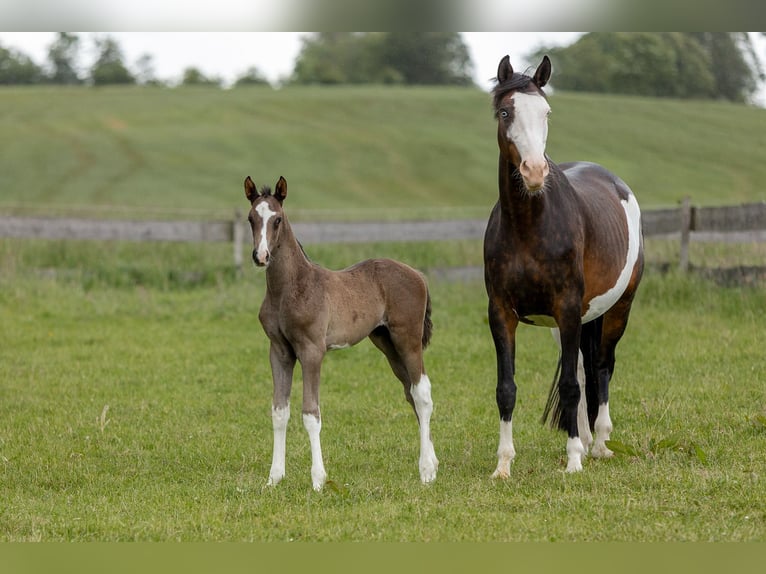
{"x":615,"y":321}
{"x":406,"y":360}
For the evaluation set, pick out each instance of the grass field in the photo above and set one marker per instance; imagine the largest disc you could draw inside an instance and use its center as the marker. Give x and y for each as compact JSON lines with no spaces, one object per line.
{"x":134,"y":383}
{"x":370,"y":152}
{"x":135,"y":406}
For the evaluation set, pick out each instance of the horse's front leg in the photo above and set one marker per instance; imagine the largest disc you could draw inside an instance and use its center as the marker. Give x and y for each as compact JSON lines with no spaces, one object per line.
{"x":311,"y":364}
{"x":282,"y":361}
{"x":503,"y":327}
{"x":569,"y":389}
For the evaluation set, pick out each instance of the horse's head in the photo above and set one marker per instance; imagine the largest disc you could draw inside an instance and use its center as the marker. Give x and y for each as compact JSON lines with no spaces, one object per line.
{"x":265,"y":218}
{"x":522,"y":109}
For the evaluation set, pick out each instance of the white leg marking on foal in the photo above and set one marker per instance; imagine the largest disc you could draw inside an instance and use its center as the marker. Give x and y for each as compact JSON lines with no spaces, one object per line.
{"x":421,"y":396}
{"x":505,"y":451}
{"x":279,"y":418}
{"x":583,"y":426}
{"x":603,"y":428}
{"x":313,"y":426}
{"x":575,"y":452}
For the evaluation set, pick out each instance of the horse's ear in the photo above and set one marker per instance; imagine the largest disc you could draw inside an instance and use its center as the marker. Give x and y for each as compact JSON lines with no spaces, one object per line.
{"x":543,"y":72}
{"x":281,"y":190}
{"x":251,"y":192}
{"x":504,"y":69}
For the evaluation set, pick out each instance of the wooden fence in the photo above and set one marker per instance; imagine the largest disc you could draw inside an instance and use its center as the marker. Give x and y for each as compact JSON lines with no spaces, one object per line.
{"x":743,"y":223}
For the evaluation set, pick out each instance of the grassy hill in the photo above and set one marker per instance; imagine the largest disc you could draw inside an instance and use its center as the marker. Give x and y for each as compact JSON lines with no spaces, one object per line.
{"x":361,"y":152}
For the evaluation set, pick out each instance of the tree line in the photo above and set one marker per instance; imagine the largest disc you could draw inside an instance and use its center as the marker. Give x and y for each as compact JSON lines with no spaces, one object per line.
{"x":702,"y":65}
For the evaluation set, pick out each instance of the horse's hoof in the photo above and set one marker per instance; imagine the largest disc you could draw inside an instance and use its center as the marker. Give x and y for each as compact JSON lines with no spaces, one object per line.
{"x":600,"y":450}
{"x":502,"y":473}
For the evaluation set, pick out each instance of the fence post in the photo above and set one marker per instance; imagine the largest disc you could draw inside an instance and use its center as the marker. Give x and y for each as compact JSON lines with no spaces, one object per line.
{"x":686,"y":223}
{"x":238,"y":237}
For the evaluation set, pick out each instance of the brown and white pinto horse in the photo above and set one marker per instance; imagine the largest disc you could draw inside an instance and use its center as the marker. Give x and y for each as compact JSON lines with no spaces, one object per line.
{"x":309,"y":310}
{"x":563,"y":249}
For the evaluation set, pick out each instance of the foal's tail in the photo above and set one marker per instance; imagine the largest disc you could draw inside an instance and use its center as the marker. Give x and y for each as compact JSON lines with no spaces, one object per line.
{"x":427,"y":324}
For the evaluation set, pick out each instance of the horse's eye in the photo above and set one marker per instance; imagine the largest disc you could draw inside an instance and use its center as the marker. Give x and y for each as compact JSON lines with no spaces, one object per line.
{"x":504,"y":114}
{"x":277,"y":221}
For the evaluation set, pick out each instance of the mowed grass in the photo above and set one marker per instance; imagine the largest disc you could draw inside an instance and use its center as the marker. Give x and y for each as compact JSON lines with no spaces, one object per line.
{"x":135,"y":405}
{"x":348,"y":152}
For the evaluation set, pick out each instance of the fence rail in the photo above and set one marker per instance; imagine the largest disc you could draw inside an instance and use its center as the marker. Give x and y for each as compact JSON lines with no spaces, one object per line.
{"x":744,"y":223}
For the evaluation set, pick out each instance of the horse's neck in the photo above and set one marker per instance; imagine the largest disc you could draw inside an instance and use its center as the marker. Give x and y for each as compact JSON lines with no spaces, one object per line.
{"x":515,"y":203}
{"x":288,"y":261}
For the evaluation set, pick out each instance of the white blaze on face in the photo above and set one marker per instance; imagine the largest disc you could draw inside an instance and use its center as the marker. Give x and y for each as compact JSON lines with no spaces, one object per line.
{"x":266,"y":213}
{"x":529,"y":132}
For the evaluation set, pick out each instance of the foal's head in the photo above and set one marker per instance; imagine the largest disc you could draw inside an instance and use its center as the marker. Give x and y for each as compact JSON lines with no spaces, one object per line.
{"x":522,"y":109}
{"x":265,"y":218}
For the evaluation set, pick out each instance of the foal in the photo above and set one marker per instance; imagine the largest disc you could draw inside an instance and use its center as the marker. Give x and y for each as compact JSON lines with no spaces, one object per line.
{"x":309,"y":310}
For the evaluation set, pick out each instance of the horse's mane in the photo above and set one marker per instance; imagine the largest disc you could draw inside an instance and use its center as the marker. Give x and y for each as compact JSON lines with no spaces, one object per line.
{"x":517,"y":82}
{"x":265,"y":190}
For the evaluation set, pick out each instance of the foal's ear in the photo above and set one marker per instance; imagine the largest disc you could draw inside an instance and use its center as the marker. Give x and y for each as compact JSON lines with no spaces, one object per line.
{"x":543,"y":72}
{"x":281,"y":191}
{"x":250,"y":190}
{"x":504,"y":69}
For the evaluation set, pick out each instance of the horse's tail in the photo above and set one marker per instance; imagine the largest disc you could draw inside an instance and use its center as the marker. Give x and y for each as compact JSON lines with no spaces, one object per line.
{"x":427,"y":324}
{"x":552,"y":409}
{"x":590,"y":342}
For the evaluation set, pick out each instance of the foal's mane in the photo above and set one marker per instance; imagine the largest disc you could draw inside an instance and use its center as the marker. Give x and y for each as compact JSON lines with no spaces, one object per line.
{"x":517,"y":82}
{"x":265,"y":191}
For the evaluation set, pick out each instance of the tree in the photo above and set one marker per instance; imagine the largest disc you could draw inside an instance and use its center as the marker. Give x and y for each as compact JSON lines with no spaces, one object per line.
{"x":428,"y":58}
{"x":18,"y":68}
{"x":145,"y":74}
{"x":390,"y":57}
{"x":194,"y":77}
{"x":109,"y":67}
{"x":251,"y":77}
{"x":62,"y":58}
{"x":664,"y":64}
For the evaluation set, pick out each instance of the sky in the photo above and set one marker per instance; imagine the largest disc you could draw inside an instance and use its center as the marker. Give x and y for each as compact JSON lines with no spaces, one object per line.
{"x":230,"y":54}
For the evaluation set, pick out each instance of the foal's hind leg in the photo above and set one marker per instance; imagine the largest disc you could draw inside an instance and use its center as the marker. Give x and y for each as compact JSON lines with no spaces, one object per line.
{"x":417,"y":389}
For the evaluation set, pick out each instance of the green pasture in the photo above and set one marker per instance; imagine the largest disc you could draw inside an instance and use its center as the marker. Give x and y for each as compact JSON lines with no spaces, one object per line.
{"x":347,"y":152}
{"x":135,"y":405}
{"x":135,"y":389}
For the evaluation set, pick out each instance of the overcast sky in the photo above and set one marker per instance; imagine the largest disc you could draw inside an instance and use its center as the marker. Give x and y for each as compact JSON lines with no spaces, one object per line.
{"x":229,"y":54}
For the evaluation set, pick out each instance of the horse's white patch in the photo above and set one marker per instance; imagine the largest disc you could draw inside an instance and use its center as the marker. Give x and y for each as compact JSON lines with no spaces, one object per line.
{"x":505,"y":450}
{"x":424,"y":406}
{"x":313,"y":426}
{"x":279,"y":418}
{"x":266,"y":213}
{"x":602,"y":303}
{"x":529,"y":130}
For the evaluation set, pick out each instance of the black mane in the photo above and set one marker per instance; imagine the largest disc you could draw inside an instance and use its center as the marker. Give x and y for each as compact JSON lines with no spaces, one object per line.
{"x":517,"y":82}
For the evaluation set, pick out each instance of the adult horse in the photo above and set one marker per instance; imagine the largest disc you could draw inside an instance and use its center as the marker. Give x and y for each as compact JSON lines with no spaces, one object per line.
{"x":563,"y":249}
{"x":309,"y":310}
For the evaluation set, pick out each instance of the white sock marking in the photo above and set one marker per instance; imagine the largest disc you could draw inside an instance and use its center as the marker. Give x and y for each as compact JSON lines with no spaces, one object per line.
{"x":421,"y":396}
{"x":279,"y":418}
{"x":603,"y":429}
{"x":505,"y":450}
{"x":575,"y":452}
{"x":313,"y":426}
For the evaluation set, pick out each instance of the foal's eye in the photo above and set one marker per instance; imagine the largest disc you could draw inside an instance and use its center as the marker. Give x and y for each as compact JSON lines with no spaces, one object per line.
{"x":277,"y":221}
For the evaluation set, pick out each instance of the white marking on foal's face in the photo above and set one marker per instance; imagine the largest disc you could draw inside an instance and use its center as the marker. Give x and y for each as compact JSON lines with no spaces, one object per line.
{"x":266,"y":213}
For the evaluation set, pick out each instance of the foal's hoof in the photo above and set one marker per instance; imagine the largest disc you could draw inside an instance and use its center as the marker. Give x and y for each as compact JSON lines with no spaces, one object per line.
{"x":600,"y":450}
{"x":428,"y":471}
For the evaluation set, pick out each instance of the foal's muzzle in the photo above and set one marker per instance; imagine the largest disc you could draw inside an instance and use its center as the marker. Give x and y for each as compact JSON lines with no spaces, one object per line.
{"x":262,"y":260}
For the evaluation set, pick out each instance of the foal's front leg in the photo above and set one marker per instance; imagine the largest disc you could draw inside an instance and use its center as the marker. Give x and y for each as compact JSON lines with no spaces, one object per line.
{"x":282,"y":361}
{"x":311,"y":364}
